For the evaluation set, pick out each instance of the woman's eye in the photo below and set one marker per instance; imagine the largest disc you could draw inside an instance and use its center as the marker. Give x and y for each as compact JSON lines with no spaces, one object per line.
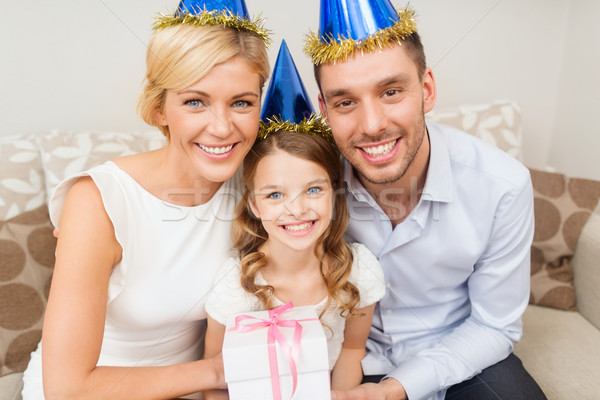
{"x":194,"y":103}
{"x":313,"y":190}
{"x":241,"y":104}
{"x":275,"y":196}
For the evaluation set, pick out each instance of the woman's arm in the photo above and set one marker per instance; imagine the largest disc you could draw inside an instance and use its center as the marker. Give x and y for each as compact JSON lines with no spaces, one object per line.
{"x":347,"y":372}
{"x":213,"y":343}
{"x":87,"y":250}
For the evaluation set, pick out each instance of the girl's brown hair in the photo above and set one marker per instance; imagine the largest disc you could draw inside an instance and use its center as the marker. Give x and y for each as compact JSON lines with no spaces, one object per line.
{"x":332,"y":249}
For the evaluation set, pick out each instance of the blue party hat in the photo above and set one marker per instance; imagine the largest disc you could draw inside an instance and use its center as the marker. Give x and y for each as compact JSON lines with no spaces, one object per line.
{"x":287,"y":105}
{"x":229,"y":13}
{"x":348,"y":25}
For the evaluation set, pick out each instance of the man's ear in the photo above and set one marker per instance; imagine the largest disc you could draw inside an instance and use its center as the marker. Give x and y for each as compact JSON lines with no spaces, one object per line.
{"x":322,"y":106}
{"x":429,"y":90}
{"x":159,"y":116}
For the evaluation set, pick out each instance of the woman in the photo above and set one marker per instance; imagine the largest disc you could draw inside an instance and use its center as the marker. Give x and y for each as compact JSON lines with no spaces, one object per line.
{"x":141,"y":236}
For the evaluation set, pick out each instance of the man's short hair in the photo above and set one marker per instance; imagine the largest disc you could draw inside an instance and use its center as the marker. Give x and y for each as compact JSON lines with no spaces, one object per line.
{"x":414,"y":48}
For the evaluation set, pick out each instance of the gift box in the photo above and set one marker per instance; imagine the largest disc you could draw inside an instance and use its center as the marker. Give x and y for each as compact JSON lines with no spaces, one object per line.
{"x":276,"y":354}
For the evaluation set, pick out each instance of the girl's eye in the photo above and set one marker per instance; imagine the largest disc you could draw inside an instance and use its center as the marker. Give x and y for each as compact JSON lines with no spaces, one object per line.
{"x":275,"y":196}
{"x":313,"y":190}
{"x":194,"y":103}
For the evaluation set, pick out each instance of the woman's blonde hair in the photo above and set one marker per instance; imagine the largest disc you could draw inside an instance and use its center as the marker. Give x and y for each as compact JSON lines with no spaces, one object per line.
{"x":181,"y":55}
{"x":332,"y":249}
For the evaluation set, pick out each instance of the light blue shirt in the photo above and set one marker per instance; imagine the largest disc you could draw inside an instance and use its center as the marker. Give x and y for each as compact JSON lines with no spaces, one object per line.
{"x":456,"y":269}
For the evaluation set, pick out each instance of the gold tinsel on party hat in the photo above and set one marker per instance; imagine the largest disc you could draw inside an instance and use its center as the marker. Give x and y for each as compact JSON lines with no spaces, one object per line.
{"x":327,"y":49}
{"x":214,"y":17}
{"x":314,"y":125}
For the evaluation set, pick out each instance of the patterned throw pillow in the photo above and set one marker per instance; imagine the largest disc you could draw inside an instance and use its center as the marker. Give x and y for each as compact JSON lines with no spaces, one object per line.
{"x":21,"y":182}
{"x":497,"y":123}
{"x":68,"y":153}
{"x":562,"y":207}
{"x":27,"y":253}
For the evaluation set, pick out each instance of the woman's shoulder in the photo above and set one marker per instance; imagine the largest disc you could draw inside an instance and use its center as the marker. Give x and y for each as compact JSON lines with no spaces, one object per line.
{"x":139,"y":166}
{"x":107,"y":182}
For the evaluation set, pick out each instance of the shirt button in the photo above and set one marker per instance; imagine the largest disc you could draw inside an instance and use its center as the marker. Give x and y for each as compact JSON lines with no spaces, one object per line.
{"x":388,"y":311}
{"x":388,"y":285}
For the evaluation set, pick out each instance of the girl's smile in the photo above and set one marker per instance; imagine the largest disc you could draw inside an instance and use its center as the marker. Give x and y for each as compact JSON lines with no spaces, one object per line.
{"x":299,"y":228}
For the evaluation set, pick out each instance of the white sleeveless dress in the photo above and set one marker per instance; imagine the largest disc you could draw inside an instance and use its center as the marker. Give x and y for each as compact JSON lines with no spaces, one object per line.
{"x":156,"y":294}
{"x":229,"y":297}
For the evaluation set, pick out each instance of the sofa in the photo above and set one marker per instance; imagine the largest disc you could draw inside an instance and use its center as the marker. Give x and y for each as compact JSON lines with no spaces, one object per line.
{"x":561,"y":341}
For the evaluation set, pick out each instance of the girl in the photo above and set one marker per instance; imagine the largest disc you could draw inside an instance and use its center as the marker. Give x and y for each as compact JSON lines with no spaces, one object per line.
{"x":125,"y":318}
{"x":289,"y":235}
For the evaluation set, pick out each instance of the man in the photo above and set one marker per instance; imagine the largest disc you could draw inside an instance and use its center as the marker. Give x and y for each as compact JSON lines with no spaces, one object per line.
{"x":449,"y":217}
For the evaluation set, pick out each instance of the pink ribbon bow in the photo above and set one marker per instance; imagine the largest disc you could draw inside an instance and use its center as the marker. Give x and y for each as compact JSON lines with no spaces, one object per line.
{"x":274,"y":335}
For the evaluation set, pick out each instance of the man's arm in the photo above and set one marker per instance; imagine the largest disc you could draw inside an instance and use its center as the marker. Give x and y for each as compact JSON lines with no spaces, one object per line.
{"x":388,"y":389}
{"x":499,"y":293}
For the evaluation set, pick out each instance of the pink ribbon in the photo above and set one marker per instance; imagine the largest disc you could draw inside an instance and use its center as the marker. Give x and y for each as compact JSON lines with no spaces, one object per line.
{"x":274,"y":335}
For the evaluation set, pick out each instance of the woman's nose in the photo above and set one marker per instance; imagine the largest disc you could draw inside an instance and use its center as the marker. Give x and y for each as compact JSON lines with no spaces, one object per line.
{"x":220,"y":124}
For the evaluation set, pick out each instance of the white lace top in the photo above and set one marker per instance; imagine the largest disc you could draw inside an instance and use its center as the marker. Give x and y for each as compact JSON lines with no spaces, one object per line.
{"x":229,"y":298}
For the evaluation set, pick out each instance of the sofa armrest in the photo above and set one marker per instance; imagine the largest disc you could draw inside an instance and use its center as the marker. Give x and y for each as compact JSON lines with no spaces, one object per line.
{"x":11,"y":385}
{"x":586,"y":266}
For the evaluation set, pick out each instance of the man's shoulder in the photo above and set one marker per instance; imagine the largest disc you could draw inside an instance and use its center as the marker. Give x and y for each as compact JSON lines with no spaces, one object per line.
{"x":472,"y":155}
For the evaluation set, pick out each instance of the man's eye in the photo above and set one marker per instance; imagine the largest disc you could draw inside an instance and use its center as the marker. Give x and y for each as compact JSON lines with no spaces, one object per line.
{"x":391,"y":92}
{"x":344,"y":104}
{"x":275,"y":196}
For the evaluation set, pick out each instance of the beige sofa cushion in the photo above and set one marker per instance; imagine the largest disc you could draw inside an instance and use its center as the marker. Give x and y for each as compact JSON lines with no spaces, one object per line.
{"x":11,"y":386}
{"x":27,"y":254}
{"x":21,"y":179}
{"x":498,"y":123}
{"x":562,"y":208}
{"x":560,"y":350}
{"x":67,"y":153}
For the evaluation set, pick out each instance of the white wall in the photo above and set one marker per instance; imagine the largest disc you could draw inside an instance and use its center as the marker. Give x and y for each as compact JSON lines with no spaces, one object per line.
{"x":78,"y":65}
{"x":576,"y":134}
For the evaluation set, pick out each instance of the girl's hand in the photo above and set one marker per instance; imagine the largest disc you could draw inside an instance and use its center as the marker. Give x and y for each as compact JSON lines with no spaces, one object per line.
{"x":347,"y":372}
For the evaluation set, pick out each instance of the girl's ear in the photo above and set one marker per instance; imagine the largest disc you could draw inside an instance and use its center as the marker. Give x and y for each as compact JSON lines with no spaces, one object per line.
{"x":252,"y":209}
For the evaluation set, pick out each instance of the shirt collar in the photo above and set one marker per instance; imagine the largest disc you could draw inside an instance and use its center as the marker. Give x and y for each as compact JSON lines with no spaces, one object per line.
{"x":354,"y":186}
{"x":438,"y":184}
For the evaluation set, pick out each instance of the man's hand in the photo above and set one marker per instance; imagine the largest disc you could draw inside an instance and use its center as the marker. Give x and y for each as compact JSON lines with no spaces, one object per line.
{"x":387,"y":389}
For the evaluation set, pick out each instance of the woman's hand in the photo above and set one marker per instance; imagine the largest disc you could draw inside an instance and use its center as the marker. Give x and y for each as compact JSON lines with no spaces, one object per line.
{"x":213,"y":342}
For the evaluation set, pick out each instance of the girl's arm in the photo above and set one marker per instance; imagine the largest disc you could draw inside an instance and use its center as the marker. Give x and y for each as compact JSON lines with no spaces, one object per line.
{"x":347,"y":372}
{"x":213,"y":343}
{"x":87,"y":250}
